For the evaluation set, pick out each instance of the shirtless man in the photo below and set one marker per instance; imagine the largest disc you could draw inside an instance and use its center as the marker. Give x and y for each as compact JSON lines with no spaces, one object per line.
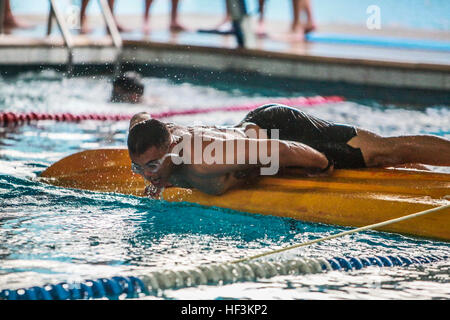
{"x":128,"y":88}
{"x":303,"y":141}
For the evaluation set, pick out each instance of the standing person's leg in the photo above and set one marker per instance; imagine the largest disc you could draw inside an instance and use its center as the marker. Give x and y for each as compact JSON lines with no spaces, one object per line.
{"x":296,"y":27}
{"x":175,"y":26}
{"x":83,"y":24}
{"x":11,"y":22}
{"x":310,"y":24}
{"x":111,"y":5}
{"x":381,"y":151}
{"x":261,"y":30}
{"x":296,"y":7}
{"x":119,"y":26}
{"x":146,"y":27}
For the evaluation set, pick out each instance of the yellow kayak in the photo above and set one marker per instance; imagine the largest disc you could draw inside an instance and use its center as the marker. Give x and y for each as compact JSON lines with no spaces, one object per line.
{"x":347,"y":198}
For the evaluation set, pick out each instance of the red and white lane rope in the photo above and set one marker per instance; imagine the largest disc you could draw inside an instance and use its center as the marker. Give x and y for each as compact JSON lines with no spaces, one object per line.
{"x":15,"y":118}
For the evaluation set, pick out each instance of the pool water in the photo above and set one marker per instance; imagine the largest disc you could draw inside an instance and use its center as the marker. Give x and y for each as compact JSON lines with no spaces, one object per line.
{"x":50,"y":234}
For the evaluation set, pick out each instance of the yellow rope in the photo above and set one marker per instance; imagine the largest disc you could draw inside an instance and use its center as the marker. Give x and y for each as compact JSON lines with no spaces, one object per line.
{"x":376,"y":225}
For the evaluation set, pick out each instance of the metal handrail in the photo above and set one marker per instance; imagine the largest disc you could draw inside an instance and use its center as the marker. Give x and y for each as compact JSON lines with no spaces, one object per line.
{"x":56,"y":13}
{"x":68,"y":41}
{"x":114,"y":32}
{"x":111,"y":23}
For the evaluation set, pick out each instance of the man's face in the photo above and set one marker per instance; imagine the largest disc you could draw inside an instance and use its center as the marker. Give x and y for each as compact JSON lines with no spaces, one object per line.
{"x":158,"y":178}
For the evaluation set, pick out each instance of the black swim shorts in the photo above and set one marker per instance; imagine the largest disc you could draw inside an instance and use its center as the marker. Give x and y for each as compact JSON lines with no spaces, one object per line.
{"x":324,"y":136}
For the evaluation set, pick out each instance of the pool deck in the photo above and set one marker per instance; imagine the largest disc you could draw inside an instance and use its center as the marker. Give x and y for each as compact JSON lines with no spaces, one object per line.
{"x":276,"y":55}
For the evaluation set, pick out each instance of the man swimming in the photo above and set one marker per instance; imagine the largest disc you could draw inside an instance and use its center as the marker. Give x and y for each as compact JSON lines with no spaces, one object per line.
{"x":127,"y":88}
{"x":305,"y":141}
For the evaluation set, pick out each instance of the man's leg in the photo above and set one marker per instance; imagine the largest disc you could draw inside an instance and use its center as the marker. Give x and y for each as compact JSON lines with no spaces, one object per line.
{"x":296,"y":6}
{"x":261,"y":30}
{"x":381,"y":151}
{"x":297,"y":30}
{"x":83,"y":24}
{"x":119,"y":26}
{"x":146,"y":27}
{"x":174,"y":24}
{"x":310,"y":24}
{"x":10,"y":21}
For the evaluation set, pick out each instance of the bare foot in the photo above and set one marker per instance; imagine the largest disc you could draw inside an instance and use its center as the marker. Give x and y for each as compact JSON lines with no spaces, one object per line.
{"x":310,"y":28}
{"x":84,"y":29}
{"x":146,"y":28}
{"x":121,"y":28}
{"x":298,"y":36}
{"x":261,"y":30}
{"x":296,"y":27}
{"x":13,"y":23}
{"x":176,"y":27}
{"x":297,"y":33}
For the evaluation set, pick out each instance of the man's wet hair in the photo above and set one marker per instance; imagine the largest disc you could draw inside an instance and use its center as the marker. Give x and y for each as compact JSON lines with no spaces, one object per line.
{"x":147,"y":134}
{"x":130,"y":82}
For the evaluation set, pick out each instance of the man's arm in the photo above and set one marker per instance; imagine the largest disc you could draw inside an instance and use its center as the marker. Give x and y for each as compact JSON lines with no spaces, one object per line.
{"x":245,"y":153}
{"x":296,"y":154}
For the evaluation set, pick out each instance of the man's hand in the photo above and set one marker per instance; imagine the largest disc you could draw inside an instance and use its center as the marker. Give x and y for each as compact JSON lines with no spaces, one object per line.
{"x":314,"y":173}
{"x":325,"y":172}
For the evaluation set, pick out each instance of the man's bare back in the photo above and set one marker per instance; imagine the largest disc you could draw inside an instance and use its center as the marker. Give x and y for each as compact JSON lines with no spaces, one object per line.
{"x":219,"y":176}
{"x":194,"y":176}
{"x":304,"y":141}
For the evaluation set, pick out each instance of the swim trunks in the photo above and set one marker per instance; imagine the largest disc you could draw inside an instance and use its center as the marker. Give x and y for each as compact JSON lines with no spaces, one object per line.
{"x":324,"y":136}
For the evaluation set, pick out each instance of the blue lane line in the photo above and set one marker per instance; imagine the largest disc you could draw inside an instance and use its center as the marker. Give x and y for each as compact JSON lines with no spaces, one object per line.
{"x":132,"y":287}
{"x":379,"y":41}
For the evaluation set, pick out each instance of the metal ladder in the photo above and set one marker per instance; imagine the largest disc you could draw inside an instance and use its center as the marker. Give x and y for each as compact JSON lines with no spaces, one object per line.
{"x":55,"y":14}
